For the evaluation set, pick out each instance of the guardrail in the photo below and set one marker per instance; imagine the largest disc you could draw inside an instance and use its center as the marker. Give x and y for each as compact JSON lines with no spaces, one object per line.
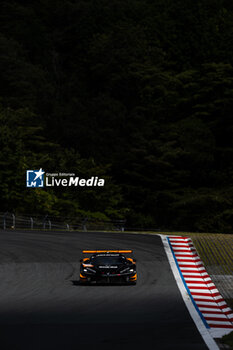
{"x":46,"y":222}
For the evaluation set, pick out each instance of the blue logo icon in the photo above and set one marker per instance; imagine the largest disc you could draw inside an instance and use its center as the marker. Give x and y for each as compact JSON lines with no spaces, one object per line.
{"x":35,"y":178}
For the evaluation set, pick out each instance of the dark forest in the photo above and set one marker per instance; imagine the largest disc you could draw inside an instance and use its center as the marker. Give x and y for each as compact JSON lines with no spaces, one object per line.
{"x":138,"y":92}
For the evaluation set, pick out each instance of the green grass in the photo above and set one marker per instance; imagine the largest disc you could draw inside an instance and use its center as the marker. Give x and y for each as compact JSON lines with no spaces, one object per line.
{"x":228,"y":339}
{"x":214,"y":249}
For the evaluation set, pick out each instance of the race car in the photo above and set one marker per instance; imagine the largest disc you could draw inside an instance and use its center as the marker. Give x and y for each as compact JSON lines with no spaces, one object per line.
{"x":108,"y":266}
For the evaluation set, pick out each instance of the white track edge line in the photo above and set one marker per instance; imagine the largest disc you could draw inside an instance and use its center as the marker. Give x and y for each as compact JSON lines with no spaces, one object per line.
{"x":206,"y":335}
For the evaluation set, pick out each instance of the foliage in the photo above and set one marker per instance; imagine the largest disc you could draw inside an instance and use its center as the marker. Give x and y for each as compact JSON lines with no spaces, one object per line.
{"x":138,"y":92}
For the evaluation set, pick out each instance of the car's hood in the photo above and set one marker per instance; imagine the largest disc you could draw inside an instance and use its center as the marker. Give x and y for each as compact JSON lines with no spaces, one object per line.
{"x":109,"y":268}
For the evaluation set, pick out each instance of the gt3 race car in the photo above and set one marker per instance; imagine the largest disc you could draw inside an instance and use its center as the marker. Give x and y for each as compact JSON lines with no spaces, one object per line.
{"x":109,"y":266}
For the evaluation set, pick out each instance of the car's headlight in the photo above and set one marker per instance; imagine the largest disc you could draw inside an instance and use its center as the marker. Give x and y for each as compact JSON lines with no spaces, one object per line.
{"x":127,"y":269}
{"x":88,"y":269}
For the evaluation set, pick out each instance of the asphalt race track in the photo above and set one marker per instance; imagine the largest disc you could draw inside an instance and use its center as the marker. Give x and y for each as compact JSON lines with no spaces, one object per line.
{"x":42,"y":306}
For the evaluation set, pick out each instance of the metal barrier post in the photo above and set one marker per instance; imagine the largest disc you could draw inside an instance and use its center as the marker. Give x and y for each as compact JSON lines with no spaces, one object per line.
{"x":122,"y":223}
{"x":84,"y":224}
{"x":49,"y":222}
{"x":44,"y":221}
{"x":4,"y":220}
{"x":13,"y":221}
{"x":31,"y":221}
{"x":67,"y":227}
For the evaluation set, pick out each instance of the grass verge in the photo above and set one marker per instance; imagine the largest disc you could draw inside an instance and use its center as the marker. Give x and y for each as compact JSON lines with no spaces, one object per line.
{"x":228,"y":340}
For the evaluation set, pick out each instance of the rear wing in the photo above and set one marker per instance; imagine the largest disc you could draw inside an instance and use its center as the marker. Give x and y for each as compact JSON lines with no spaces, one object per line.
{"x":107,"y":251}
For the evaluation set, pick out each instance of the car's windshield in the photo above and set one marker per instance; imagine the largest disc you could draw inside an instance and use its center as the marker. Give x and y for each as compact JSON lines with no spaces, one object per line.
{"x":107,"y":260}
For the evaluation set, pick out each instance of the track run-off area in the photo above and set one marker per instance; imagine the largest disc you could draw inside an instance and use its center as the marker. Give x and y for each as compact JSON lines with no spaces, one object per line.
{"x":42,"y":305}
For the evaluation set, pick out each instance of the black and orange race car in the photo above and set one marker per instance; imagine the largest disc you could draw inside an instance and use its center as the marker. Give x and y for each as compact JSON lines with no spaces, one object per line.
{"x":110,"y":266}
